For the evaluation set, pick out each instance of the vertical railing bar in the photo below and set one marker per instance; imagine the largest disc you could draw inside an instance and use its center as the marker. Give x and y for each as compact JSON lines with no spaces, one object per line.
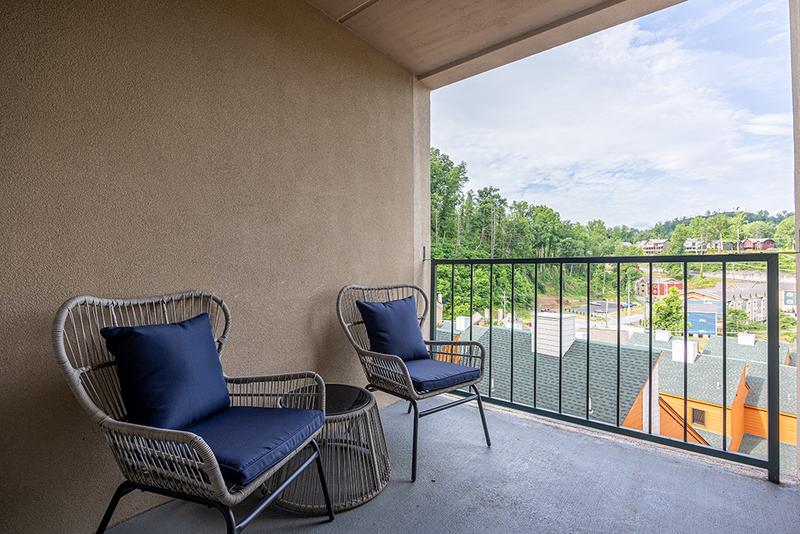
{"x":435,"y":307}
{"x":773,"y":370}
{"x":471,"y":295}
{"x":685,"y":349}
{"x":452,"y":302}
{"x":511,"y":391}
{"x":560,"y":329}
{"x":588,"y":329}
{"x":650,"y":351}
{"x":619,"y":324}
{"x":491,"y":334}
{"x":535,"y":327}
{"x":724,"y":357}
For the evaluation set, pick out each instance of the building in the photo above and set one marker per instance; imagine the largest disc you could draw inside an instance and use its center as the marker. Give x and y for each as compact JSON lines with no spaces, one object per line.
{"x":701,"y":318}
{"x":718,"y":246}
{"x":757,"y":243}
{"x":661,"y":286}
{"x":745,"y":404}
{"x":651,"y":247}
{"x":694,"y":246}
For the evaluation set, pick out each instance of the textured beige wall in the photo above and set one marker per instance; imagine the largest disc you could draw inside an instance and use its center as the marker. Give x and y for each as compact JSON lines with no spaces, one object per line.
{"x":255,"y":149}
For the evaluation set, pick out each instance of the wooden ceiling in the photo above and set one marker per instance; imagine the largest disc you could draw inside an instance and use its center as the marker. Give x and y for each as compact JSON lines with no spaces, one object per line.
{"x":444,"y":41}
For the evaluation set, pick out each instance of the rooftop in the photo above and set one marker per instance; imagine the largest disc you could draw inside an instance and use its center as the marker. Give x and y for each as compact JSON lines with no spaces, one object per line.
{"x":753,"y":353}
{"x":602,"y":381}
{"x":564,"y":480}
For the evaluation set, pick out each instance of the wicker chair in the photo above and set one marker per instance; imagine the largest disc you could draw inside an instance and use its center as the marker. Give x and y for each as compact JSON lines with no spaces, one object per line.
{"x":388,"y":373}
{"x":172,"y":463}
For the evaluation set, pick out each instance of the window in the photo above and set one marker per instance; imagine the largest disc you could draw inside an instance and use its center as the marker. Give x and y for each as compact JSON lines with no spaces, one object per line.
{"x":698,"y":417}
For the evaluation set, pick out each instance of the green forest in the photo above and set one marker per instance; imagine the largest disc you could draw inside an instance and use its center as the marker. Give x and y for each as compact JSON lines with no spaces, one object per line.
{"x":485,"y":224}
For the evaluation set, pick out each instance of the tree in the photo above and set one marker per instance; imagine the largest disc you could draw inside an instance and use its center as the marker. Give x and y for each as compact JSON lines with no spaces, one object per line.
{"x":668,"y":312}
{"x":784,"y":233}
{"x":737,"y":320}
{"x":447,"y":182}
{"x":759,"y":229}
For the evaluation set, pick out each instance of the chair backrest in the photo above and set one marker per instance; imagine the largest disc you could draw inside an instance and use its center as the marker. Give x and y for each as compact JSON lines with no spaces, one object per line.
{"x":81,"y":351}
{"x":350,"y":316}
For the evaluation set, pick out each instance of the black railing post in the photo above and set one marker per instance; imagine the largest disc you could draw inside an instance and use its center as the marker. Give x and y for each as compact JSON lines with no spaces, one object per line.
{"x":560,"y":330}
{"x":535,"y":328}
{"x":491,"y":305}
{"x":724,"y":357}
{"x":453,"y":302}
{"x":773,"y":369}
{"x":588,"y":330}
{"x":685,"y":349}
{"x":471,"y":294}
{"x":650,"y":351}
{"x":511,"y":378}
{"x":619,"y":332}
{"x":434,"y":300}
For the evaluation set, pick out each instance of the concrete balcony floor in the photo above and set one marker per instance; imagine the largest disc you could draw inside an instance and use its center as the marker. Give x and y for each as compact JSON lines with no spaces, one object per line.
{"x":539,"y":476}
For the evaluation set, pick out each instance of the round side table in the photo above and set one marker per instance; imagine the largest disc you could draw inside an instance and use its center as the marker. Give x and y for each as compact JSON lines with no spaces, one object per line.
{"x":353,"y":451}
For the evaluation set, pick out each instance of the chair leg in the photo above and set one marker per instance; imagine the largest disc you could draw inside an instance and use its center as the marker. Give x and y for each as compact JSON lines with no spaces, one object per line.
{"x":409,"y":407}
{"x":230,"y":519}
{"x":414,"y":446}
{"x":483,"y":416}
{"x":324,"y":484}
{"x":122,"y":490}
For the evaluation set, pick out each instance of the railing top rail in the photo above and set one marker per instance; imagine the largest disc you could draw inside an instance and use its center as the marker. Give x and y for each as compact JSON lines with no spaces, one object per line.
{"x":747,"y":257}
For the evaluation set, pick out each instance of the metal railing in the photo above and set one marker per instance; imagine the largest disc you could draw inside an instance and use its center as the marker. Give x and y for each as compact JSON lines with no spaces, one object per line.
{"x":536,"y":265}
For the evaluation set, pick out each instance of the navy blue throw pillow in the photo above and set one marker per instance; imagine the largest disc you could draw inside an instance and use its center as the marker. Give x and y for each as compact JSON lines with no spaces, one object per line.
{"x":393,"y":328}
{"x":170,"y":375}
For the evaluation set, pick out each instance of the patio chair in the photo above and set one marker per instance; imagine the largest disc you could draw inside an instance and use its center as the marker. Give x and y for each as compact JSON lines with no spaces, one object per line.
{"x":412,"y":380}
{"x":180,"y":463}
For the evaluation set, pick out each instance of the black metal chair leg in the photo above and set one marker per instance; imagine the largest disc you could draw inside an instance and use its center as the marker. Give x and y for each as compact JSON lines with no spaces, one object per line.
{"x":483,"y":416}
{"x":409,"y":407}
{"x":414,"y":448}
{"x":324,"y":484}
{"x":122,"y":490}
{"x":230,"y":519}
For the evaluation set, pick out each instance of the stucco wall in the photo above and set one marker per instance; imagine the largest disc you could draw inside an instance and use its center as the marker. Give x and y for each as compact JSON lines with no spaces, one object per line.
{"x":254,"y":149}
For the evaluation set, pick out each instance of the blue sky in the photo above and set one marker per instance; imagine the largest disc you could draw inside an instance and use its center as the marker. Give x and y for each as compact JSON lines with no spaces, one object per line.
{"x":684,"y":111}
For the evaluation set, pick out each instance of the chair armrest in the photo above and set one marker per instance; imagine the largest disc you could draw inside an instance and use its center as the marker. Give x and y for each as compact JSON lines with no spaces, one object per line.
{"x":292,"y":390}
{"x":469,"y":353}
{"x":169,"y":459}
{"x":387,"y":371}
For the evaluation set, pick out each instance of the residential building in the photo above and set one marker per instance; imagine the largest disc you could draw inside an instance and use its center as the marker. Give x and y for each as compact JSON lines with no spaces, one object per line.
{"x":651,"y":247}
{"x":661,"y":286}
{"x":694,"y":246}
{"x":719,"y":246}
{"x":757,"y":243}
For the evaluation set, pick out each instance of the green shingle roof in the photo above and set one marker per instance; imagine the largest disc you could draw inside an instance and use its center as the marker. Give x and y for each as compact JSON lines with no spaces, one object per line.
{"x":757,"y":380}
{"x":704,"y":377}
{"x":641,"y":339}
{"x":755,"y":353}
{"x":602,"y":378}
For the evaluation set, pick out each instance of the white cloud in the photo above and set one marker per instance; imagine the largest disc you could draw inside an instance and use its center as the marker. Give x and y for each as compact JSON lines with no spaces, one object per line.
{"x":625,"y":125}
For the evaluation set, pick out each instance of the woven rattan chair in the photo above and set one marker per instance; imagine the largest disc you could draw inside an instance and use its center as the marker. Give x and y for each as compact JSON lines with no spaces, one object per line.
{"x":388,"y":373}
{"x":172,"y":463}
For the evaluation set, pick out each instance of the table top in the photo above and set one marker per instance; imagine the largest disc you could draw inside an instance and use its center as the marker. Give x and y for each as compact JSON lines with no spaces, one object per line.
{"x":342,"y":398}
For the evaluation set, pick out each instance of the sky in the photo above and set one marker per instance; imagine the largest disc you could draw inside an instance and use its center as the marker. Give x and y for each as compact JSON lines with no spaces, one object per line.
{"x":685,"y":111}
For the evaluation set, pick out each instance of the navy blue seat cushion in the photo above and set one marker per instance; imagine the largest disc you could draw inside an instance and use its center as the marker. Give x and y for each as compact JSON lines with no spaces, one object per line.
{"x":393,"y":327}
{"x":430,"y":375}
{"x":170,"y":375}
{"x":247,"y":441}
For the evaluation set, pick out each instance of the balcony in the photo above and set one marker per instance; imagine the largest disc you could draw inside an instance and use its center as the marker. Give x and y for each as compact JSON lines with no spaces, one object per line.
{"x":272,"y":152}
{"x":540,"y":475}
{"x":564,"y":341}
